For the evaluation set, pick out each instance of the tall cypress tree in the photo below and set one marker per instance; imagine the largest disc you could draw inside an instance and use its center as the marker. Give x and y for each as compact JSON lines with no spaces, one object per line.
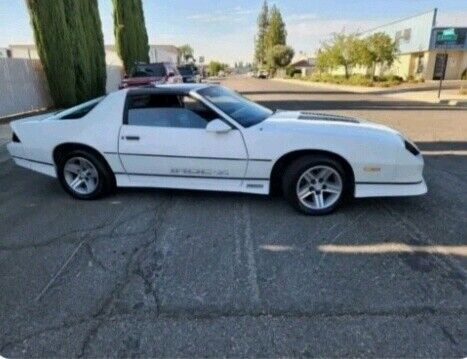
{"x":96,"y":48}
{"x":70,"y":42}
{"x":260,"y":43}
{"x":74,"y":15}
{"x":54,"y":46}
{"x":276,"y":33}
{"x":130,"y":32}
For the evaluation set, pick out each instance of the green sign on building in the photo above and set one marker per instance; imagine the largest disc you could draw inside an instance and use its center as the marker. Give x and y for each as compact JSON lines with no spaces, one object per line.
{"x":448,"y":35}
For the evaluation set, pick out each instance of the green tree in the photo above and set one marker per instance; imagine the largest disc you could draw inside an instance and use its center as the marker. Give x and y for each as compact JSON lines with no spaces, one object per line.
{"x":280,"y":56}
{"x":79,"y":45}
{"x":85,"y":30}
{"x":96,"y":48}
{"x":214,"y":67}
{"x":343,"y":50}
{"x":381,"y":50}
{"x":130,"y":32}
{"x":54,"y":45}
{"x":276,"y":34}
{"x":260,"y":40}
{"x":186,"y":52}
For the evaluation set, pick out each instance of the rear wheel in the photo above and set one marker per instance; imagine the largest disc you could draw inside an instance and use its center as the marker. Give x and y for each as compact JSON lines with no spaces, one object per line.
{"x":83,"y":175}
{"x":315,"y":185}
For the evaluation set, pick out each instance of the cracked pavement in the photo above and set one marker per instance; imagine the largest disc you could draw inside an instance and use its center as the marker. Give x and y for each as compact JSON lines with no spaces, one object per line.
{"x":161,"y":273}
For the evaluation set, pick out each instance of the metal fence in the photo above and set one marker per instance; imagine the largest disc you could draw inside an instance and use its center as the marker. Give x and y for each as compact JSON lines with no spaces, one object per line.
{"x":23,"y":86}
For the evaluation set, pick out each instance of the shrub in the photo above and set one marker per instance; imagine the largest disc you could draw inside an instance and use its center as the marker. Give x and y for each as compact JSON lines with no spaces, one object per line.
{"x":355,"y":80}
{"x":290,"y":71}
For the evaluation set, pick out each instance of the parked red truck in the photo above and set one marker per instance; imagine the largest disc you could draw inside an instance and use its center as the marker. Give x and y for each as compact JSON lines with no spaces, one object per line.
{"x":152,"y":74}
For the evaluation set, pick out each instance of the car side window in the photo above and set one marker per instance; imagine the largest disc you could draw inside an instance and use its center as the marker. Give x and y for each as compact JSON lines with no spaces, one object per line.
{"x":81,"y":112}
{"x":168,"y":111}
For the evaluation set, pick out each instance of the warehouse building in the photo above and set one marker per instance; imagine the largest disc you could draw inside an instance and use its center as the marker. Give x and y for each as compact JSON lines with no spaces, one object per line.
{"x":422,"y":53}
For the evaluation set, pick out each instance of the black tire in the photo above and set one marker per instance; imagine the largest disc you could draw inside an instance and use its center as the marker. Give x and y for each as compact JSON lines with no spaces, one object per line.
{"x":105,"y":182}
{"x":294,"y":172}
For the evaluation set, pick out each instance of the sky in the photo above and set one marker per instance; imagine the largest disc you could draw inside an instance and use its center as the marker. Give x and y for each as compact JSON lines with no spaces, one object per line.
{"x":224,"y":30}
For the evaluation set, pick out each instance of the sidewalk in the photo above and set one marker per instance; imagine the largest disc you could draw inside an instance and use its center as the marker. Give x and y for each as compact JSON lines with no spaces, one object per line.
{"x":328,"y":86}
{"x":424,"y":92}
{"x":448,"y":97}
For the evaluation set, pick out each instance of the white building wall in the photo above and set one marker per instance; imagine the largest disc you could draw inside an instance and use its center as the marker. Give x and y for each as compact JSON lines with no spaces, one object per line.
{"x":3,"y":52}
{"x":163,"y":54}
{"x":114,"y":77}
{"x":24,"y":52}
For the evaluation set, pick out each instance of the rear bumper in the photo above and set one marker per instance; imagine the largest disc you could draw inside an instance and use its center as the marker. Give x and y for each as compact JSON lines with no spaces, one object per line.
{"x":363,"y":190}
{"x":17,"y":154}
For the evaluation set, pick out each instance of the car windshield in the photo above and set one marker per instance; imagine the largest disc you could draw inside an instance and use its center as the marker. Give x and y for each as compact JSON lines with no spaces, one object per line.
{"x":153,"y":70}
{"x":186,"y":71}
{"x":245,"y":112}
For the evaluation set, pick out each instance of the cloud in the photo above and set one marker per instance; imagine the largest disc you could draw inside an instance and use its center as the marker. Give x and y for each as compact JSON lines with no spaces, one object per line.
{"x":307,"y":31}
{"x":301,"y":17}
{"x":228,"y":15}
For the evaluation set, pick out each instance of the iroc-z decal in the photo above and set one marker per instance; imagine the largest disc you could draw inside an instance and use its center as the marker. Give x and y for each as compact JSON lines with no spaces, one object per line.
{"x":199,"y":172}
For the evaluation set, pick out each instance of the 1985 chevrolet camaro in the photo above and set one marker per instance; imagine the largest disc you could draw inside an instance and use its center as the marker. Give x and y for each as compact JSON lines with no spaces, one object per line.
{"x":208,"y":137}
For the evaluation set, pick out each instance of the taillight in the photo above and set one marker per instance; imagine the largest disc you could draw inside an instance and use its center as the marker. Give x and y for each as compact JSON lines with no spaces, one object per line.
{"x":15,"y":138}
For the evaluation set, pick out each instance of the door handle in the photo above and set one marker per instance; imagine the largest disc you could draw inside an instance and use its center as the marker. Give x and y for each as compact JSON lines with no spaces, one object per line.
{"x":132,"y":138}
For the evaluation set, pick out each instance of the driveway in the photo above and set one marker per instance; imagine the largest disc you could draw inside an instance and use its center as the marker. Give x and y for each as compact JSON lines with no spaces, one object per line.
{"x":147,"y":273}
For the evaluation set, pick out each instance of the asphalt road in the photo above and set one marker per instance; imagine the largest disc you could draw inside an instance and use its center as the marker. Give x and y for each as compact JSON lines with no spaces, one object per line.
{"x":181,"y":273}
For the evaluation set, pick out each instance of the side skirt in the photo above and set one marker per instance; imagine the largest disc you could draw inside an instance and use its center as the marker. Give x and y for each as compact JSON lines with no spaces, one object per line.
{"x":257,"y":186}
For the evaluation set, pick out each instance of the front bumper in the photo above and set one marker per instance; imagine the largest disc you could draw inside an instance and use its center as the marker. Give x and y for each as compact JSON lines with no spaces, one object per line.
{"x":390,"y":189}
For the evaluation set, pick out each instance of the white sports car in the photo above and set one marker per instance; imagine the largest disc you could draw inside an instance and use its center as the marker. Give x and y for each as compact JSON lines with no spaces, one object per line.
{"x":206,"y":137}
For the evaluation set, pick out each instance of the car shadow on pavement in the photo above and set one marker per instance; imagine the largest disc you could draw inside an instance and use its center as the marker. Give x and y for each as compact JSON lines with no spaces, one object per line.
{"x":443,"y":146}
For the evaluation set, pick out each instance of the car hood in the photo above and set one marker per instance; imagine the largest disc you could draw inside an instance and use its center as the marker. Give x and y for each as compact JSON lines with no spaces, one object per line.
{"x":302,"y":120}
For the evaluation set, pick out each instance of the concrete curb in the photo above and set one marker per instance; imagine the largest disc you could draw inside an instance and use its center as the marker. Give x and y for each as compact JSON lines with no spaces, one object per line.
{"x":459,"y":103}
{"x":454,"y":103}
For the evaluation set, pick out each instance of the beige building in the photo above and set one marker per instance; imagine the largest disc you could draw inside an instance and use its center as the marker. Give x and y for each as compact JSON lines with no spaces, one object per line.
{"x":157,"y":53}
{"x":422,"y":54}
{"x":18,"y":51}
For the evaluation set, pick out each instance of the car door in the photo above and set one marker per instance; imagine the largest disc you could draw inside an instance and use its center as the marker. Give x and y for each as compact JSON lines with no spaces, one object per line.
{"x":164,"y":143}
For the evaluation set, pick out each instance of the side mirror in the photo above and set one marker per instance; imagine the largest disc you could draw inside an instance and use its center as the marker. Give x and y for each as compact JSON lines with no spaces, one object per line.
{"x":218,"y":126}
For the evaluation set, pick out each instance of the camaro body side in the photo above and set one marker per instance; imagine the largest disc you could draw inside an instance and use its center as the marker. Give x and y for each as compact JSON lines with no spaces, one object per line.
{"x":240,"y":160}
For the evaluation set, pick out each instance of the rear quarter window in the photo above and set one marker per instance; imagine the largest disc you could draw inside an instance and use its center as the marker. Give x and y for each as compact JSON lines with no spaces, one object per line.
{"x":79,"y":113}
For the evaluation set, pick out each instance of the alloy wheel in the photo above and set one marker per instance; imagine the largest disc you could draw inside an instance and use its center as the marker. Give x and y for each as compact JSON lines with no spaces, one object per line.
{"x":319,"y":187}
{"x":81,"y":175}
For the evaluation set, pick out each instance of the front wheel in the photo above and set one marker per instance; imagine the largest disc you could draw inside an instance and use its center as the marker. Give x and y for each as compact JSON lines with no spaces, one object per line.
{"x":315,"y":185}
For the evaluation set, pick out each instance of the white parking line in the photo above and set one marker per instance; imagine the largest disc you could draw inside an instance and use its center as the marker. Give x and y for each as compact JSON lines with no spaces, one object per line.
{"x":445,"y":153}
